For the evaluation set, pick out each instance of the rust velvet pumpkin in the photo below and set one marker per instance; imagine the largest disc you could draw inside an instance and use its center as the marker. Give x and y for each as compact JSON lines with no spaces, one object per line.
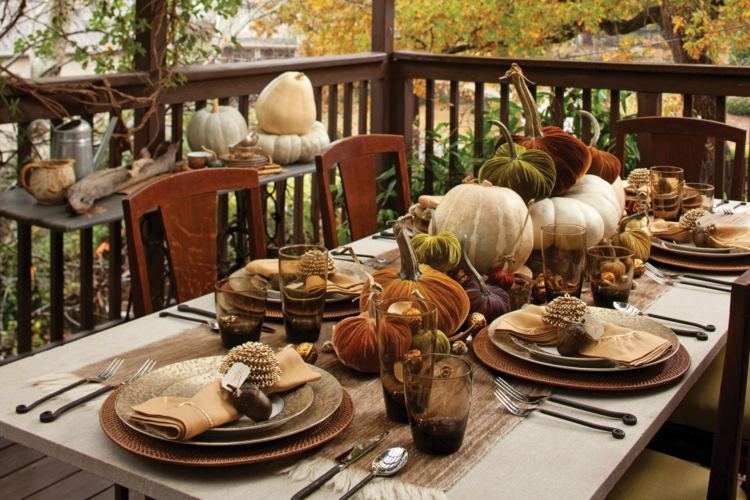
{"x":603,"y":163}
{"x":449,"y":297}
{"x":572,"y":157}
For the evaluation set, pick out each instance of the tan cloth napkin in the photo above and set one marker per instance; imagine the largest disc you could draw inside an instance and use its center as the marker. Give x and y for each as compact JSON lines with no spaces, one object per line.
{"x":719,"y":235}
{"x":619,"y":344}
{"x":183,"y":418}
{"x":337,"y":282}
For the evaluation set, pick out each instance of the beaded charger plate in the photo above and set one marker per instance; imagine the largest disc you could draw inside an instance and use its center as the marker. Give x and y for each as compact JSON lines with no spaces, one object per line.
{"x":178,"y":453}
{"x":304,"y":407}
{"x":548,"y":356}
{"x":665,"y":373}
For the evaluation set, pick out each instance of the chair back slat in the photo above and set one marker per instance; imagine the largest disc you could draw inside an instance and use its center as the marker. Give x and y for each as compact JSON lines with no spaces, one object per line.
{"x":725,"y":459}
{"x":355,"y":159}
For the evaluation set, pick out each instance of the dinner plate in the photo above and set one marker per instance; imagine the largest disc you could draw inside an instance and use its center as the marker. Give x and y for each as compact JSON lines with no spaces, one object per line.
{"x":690,"y":250}
{"x":326,"y":398}
{"x":548,"y":355}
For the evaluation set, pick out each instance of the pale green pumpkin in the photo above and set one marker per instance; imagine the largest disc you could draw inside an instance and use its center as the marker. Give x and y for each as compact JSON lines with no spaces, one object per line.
{"x":529,"y":172}
{"x":441,"y":251}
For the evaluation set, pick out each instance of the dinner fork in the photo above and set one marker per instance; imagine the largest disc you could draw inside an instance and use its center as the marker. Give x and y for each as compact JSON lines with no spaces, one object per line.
{"x":344,"y":252}
{"x":51,"y":416}
{"x":664,"y":280}
{"x":102,"y":376}
{"x":727,"y":211}
{"x":674,"y":274}
{"x":513,"y":408}
{"x":627,"y":418}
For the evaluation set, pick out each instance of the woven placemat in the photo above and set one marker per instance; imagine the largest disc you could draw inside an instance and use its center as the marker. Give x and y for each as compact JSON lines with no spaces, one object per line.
{"x":332,"y":310}
{"x":210,"y":456}
{"x":669,"y":371}
{"x":736,"y":265}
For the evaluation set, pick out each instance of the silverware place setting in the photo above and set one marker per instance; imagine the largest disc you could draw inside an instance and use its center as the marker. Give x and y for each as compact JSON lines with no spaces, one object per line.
{"x":631,"y":309}
{"x":525,"y":409}
{"x":386,"y":464}
{"x":211,"y":315}
{"x":51,"y":416}
{"x":670,"y":278}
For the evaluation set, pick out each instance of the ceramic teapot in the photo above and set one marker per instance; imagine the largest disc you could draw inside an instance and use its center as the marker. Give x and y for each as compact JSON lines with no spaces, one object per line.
{"x":247,"y":148}
{"x":47,"y":180}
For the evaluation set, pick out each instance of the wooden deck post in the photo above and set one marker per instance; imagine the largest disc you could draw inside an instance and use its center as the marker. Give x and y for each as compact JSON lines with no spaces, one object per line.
{"x":382,"y":41}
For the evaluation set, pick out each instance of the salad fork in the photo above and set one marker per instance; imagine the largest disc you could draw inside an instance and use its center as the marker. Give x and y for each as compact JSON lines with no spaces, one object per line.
{"x":519,"y":411}
{"x":51,"y":416}
{"x":627,"y":418}
{"x":666,"y":280}
{"x":102,"y":376}
{"x":663,"y":273}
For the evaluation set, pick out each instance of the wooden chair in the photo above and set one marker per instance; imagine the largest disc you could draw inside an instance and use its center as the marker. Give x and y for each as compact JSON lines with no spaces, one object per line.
{"x":681,"y":142}
{"x":655,"y":475}
{"x":187,"y":205}
{"x":355,"y":157}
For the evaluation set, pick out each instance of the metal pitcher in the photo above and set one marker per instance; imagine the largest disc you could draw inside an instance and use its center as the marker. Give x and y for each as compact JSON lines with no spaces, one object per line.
{"x":74,"y":140}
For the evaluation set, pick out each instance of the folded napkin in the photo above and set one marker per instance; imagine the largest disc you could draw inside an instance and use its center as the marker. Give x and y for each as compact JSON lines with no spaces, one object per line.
{"x":345,"y":284}
{"x":716,"y":235}
{"x":183,"y":418}
{"x":619,"y":344}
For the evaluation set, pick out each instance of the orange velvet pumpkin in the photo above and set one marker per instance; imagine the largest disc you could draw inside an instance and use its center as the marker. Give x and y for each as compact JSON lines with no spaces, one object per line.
{"x":450,"y":298}
{"x":603,"y":163}
{"x":572,"y":157}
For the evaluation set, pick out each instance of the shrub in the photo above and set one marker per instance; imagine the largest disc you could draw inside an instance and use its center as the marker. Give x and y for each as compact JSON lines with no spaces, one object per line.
{"x":738,"y":106}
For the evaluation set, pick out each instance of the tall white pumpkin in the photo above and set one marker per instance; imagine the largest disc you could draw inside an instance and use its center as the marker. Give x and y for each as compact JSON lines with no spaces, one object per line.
{"x":592,"y":203}
{"x":286,"y":106}
{"x":490,"y":220}
{"x":216,"y":128}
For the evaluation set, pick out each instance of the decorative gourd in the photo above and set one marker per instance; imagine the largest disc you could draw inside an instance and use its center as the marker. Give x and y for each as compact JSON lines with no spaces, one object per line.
{"x":286,"y":106}
{"x":571,"y":156}
{"x":633,"y":235}
{"x":491,"y":220}
{"x":356,"y":344}
{"x":441,"y":252}
{"x":286,"y":149}
{"x":604,"y":164}
{"x":489,"y":300}
{"x":449,"y":297}
{"x":592,"y":203}
{"x":528,"y":172}
{"x":216,"y":128}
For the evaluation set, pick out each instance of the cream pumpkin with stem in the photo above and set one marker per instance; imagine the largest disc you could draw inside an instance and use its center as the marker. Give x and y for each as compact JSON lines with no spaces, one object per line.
{"x":286,"y":106}
{"x":216,"y":128}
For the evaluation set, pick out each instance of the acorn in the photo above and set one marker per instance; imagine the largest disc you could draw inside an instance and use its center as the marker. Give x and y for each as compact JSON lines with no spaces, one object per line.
{"x":459,"y":347}
{"x":571,"y":339}
{"x":307,"y":352}
{"x":250,"y":401}
{"x":328,"y":347}
{"x":689,"y":220}
{"x":639,"y":268}
{"x":264,"y":367}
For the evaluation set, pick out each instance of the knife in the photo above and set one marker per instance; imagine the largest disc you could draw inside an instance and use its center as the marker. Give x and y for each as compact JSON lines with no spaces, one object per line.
{"x":344,"y":460}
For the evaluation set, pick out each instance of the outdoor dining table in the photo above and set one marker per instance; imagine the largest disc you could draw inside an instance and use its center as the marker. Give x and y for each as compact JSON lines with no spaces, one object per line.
{"x":540,"y":457}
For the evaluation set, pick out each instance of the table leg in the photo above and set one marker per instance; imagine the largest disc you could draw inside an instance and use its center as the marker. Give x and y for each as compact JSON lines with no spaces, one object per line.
{"x":56,"y":286}
{"x":115,"y":270}
{"x":87,"y":279}
{"x":280,"y":214}
{"x":23,"y":333}
{"x":314,"y":215}
{"x":299,"y":210}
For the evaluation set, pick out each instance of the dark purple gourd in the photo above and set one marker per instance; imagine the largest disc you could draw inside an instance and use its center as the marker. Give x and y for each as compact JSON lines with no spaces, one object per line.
{"x":489,"y":300}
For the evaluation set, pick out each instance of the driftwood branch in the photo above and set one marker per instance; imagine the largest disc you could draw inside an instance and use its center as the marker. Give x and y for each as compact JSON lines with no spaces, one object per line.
{"x":101,"y":183}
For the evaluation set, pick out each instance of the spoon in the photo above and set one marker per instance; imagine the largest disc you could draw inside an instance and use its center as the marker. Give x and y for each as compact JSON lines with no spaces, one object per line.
{"x":213,"y":325}
{"x":631,"y":309}
{"x":387,"y":463}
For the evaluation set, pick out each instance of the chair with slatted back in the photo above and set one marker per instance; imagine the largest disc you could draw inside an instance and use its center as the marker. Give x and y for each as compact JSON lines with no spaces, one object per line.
{"x":355,"y":158}
{"x":187,"y":205}
{"x":681,"y":142}
{"x":656,"y":475}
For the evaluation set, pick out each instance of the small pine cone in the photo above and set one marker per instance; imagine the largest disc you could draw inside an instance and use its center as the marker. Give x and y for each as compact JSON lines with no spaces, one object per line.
{"x":689,"y":220}
{"x":264,"y":367}
{"x":639,"y":177}
{"x":315,"y":262}
{"x":564,"y":310}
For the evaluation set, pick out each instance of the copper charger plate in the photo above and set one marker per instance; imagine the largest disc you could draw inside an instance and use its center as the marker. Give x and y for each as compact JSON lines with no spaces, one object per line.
{"x":736,"y":265}
{"x":669,"y":371}
{"x":176,"y":453}
{"x":334,"y":310}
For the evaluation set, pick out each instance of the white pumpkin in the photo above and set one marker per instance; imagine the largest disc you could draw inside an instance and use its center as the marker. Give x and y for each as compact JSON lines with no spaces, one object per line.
{"x":286,"y":106}
{"x":216,"y":128}
{"x":286,"y":149}
{"x":592,"y":203}
{"x":490,"y":220}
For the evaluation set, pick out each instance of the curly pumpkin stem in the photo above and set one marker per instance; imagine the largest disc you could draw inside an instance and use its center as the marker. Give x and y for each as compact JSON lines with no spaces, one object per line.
{"x":505,"y":133}
{"x":595,"y":123}
{"x":469,"y":268}
{"x":409,"y":263}
{"x":533,"y":123}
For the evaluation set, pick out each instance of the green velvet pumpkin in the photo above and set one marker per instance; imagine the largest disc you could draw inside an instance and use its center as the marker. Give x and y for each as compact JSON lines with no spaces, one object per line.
{"x":529,"y":172}
{"x":441,"y":251}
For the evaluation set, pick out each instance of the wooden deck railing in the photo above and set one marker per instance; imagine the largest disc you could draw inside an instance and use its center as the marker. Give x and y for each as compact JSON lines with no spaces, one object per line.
{"x":377,"y":89}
